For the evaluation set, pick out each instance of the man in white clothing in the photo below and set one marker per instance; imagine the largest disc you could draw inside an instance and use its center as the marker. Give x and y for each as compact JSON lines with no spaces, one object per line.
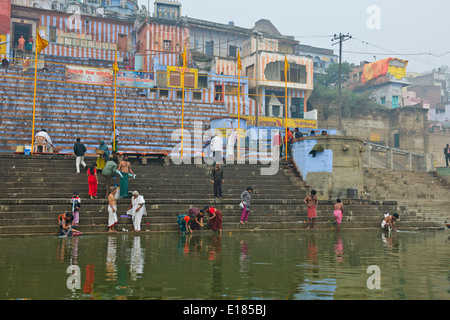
{"x":138,"y":208}
{"x":43,"y":133}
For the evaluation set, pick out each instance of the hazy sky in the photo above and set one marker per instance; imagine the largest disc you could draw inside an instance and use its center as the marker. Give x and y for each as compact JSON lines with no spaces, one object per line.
{"x":405,"y":29}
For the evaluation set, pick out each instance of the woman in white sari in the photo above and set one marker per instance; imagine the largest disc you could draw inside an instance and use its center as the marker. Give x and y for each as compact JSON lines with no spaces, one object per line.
{"x":137,"y":208}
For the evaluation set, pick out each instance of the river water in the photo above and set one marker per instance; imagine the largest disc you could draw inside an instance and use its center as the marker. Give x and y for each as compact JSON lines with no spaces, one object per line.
{"x":276,"y":265}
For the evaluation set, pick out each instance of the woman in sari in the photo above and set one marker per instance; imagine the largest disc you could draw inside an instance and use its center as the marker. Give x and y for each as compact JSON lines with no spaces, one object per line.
{"x":92,"y":181}
{"x":196,"y":217}
{"x":103,"y":156}
{"x":184,"y":222}
{"x":215,"y":218}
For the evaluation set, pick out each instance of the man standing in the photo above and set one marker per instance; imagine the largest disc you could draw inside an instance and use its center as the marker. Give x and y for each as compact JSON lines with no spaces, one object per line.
{"x":138,"y":207}
{"x":447,"y":154}
{"x":21,"y":43}
{"x":217,"y":180}
{"x":288,"y":139}
{"x":311,"y":204}
{"x":112,"y":210}
{"x":108,"y":172}
{"x":297,"y":134}
{"x":79,"y":149}
{"x":125,"y":170}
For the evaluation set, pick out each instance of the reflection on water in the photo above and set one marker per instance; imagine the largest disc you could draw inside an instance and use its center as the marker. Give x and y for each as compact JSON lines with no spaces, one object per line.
{"x":292,"y":265}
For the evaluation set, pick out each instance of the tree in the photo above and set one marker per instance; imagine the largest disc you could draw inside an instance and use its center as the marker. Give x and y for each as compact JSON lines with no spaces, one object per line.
{"x":326,"y":90}
{"x":331,"y":78}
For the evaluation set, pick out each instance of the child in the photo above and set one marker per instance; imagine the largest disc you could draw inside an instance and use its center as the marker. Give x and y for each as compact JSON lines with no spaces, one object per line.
{"x":338,"y":212}
{"x":76,"y":204}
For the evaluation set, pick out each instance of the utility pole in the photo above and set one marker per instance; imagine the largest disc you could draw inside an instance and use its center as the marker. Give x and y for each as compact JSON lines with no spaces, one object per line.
{"x":340,"y":38}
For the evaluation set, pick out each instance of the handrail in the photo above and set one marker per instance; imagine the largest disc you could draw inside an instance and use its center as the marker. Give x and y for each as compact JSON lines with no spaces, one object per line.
{"x":394,"y":149}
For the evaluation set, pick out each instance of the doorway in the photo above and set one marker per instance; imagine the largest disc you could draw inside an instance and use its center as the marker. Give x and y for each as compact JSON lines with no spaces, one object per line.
{"x":21,"y":29}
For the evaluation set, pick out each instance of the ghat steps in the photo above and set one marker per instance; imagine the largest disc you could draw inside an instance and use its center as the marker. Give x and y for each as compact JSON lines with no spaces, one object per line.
{"x":418,"y":193}
{"x":70,"y":110}
{"x":36,"y":189}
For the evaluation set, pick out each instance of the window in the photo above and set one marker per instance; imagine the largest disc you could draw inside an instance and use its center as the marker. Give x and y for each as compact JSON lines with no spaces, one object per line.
{"x":274,"y":71}
{"x":209,"y":47}
{"x":122,"y":43}
{"x":250,"y":71}
{"x":232,"y":90}
{"x":203,"y":81}
{"x":394,"y":102}
{"x":396,"y":140}
{"x":218,"y":93}
{"x":383,"y":100}
{"x":51,"y":34}
{"x":297,"y":107}
{"x":197,"y":95}
{"x":232,"y":51}
{"x":175,"y":79}
{"x":163,"y":93}
{"x":189,"y":80}
{"x":167,"y":45}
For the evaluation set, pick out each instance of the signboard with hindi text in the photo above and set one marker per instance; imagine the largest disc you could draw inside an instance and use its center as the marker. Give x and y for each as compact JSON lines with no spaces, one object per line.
{"x":135,"y":79}
{"x":89,"y":75}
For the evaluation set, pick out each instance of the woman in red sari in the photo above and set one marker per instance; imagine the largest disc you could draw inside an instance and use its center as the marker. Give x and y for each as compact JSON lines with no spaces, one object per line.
{"x":215,"y":218}
{"x":92,"y":181}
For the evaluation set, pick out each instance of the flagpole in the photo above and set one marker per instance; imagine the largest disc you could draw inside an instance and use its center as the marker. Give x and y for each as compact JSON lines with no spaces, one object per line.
{"x":34,"y":99}
{"x":285,"y":105}
{"x":115,"y":67}
{"x":182,"y":112}
{"x":239,"y":103}
{"x":182,"y":100}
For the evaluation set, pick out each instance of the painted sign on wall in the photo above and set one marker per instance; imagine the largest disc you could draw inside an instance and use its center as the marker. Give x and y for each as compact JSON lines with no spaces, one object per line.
{"x":135,"y":79}
{"x":89,"y":75}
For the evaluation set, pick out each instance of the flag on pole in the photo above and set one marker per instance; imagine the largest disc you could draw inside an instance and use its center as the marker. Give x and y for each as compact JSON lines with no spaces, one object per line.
{"x":239,"y":63}
{"x":115,"y":66}
{"x":286,"y":65}
{"x":40,"y":43}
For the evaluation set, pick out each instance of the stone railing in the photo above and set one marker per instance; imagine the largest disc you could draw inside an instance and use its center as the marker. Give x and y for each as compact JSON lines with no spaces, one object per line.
{"x":391,"y":158}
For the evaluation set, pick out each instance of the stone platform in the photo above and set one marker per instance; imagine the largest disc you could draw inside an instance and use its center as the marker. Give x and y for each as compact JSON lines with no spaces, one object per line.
{"x":36,"y":189}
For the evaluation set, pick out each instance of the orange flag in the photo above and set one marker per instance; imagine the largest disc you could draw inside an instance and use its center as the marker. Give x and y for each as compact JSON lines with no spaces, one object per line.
{"x":115,"y":66}
{"x":286,"y":66}
{"x":239,"y":63}
{"x":40,"y":43}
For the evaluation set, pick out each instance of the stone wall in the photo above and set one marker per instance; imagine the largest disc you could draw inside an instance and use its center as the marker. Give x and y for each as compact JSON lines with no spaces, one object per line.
{"x":382,"y":125}
{"x":335,"y":170}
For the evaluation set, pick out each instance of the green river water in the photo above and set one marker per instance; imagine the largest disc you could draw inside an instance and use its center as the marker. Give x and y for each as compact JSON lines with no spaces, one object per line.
{"x":276,"y":265}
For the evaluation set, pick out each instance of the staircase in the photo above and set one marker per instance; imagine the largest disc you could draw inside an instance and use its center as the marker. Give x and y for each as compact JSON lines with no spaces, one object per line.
{"x":70,"y":110}
{"x":36,"y":189}
{"x":421,"y":196}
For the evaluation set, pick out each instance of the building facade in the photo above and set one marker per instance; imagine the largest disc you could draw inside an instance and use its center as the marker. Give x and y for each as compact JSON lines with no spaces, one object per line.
{"x":154,"y":43}
{"x":383,"y":80}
